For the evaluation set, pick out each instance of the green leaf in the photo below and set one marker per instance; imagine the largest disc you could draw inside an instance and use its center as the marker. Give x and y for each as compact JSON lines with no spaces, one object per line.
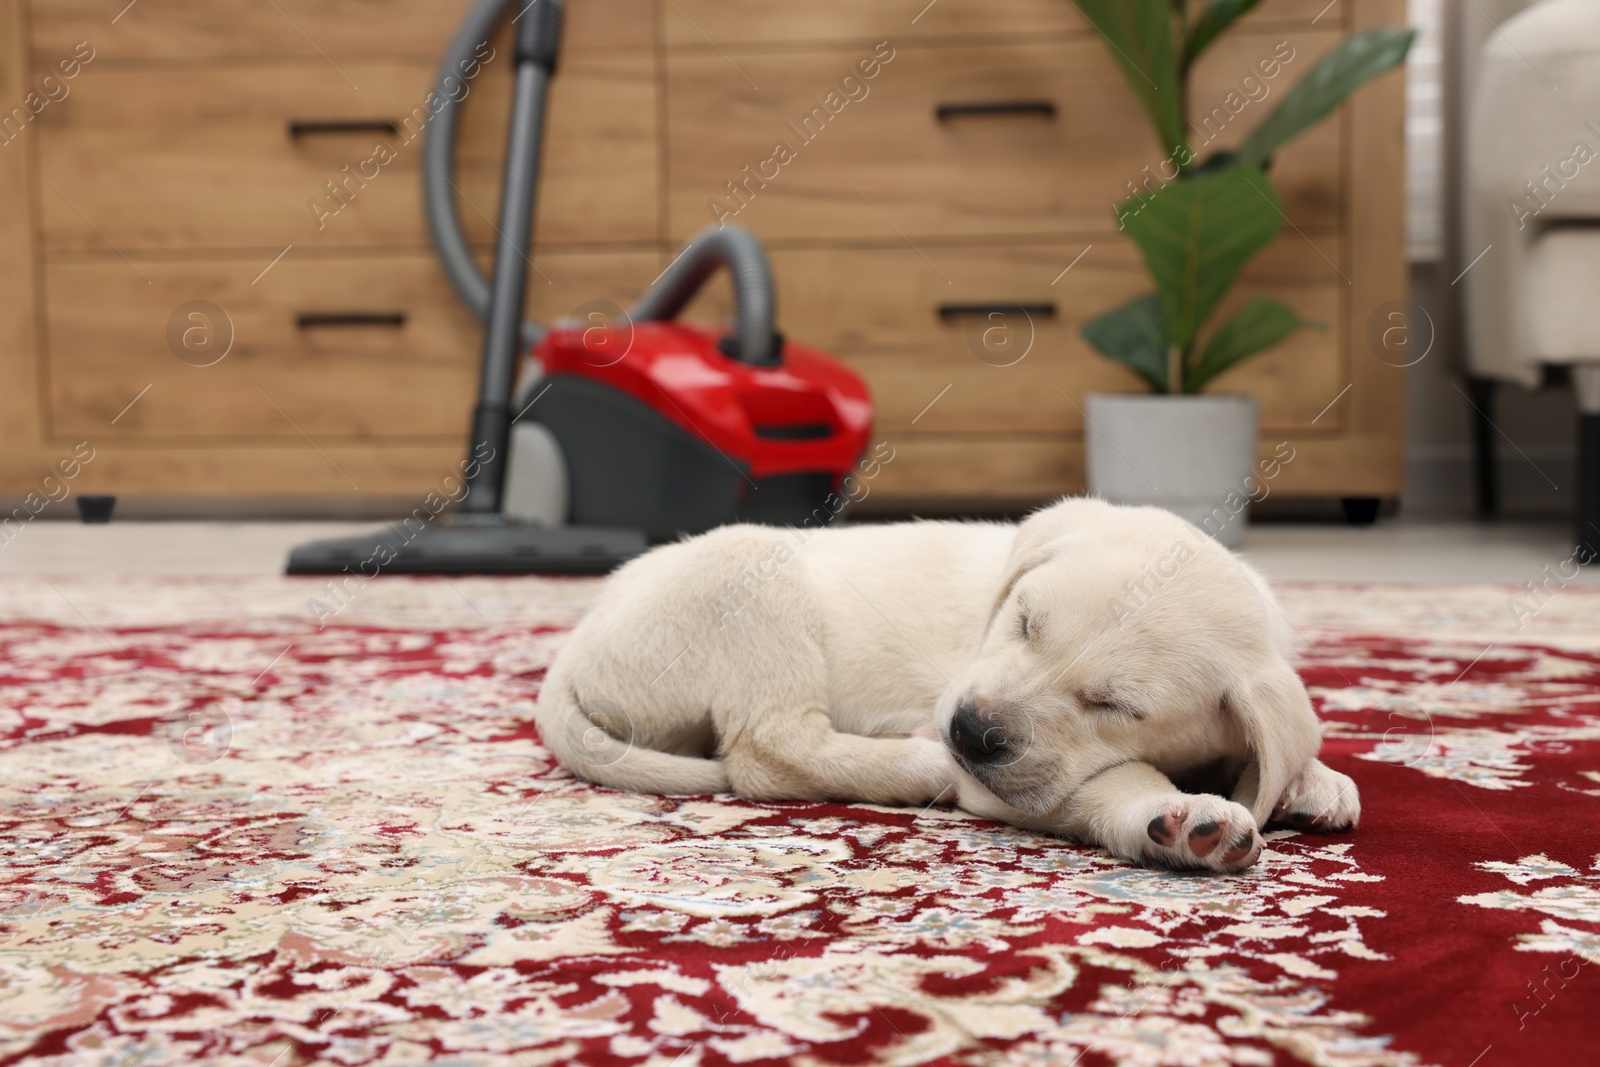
{"x":1259,"y":325}
{"x":1140,"y":34}
{"x":1196,"y":235}
{"x":1340,"y":73}
{"x":1217,"y":16}
{"x":1132,"y":336}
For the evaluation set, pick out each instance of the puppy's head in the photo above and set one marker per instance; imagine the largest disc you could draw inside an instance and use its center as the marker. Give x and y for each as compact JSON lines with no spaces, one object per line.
{"x":1122,"y":634}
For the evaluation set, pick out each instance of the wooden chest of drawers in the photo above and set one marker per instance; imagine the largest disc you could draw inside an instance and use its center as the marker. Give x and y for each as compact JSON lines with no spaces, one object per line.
{"x":224,"y":156}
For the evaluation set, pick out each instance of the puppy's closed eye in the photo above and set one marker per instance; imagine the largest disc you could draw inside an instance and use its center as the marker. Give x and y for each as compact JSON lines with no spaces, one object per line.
{"x":1108,"y":702}
{"x":1027,"y":622}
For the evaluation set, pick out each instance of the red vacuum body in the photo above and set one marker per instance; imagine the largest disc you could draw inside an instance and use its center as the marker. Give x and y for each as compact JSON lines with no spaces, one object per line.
{"x":661,"y":428}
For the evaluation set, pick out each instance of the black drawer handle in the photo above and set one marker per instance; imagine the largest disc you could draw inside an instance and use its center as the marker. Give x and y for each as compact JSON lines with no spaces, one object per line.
{"x":1044,"y":109}
{"x":956,"y":311}
{"x":310,"y":320}
{"x":298,"y":129}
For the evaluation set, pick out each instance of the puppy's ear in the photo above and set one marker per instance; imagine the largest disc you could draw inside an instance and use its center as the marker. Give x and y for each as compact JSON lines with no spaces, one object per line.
{"x":1281,"y":731}
{"x":1032,"y":546}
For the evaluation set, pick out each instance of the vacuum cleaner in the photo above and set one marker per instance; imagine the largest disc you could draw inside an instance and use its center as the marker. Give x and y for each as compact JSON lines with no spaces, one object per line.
{"x":633,"y":430}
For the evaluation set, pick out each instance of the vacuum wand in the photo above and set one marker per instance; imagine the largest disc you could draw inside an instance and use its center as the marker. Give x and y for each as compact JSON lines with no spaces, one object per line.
{"x":538,"y":40}
{"x":480,"y":540}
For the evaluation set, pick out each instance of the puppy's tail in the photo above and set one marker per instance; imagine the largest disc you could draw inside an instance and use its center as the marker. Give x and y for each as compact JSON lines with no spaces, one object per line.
{"x":597,"y":744}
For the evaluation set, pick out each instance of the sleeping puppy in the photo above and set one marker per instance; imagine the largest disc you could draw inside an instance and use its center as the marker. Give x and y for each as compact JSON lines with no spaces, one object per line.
{"x":1105,"y":673}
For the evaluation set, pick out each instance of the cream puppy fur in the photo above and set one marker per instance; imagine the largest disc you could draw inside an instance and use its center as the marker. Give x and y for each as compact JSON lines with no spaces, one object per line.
{"x":1067,"y":674}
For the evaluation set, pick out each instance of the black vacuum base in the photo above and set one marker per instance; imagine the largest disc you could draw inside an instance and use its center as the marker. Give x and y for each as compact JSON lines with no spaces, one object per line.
{"x":471,"y":549}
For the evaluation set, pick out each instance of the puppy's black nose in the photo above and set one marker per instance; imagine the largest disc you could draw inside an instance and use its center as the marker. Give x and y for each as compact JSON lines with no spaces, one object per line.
{"x":972,"y":737}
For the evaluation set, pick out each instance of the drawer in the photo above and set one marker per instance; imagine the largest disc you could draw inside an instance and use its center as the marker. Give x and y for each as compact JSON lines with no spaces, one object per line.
{"x":299,"y":29}
{"x":178,"y":158}
{"x":387,"y":353}
{"x":880,"y":309}
{"x":731,"y":22}
{"x":886,"y":165}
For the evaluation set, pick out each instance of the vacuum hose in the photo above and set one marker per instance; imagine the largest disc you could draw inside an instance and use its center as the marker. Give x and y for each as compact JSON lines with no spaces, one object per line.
{"x":715,"y":246}
{"x":755,"y":299}
{"x":438,"y":164}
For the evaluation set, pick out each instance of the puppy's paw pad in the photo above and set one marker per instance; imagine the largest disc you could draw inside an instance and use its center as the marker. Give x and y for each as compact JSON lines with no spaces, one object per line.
{"x":1202,"y":833}
{"x":1244,"y":851}
{"x":1204,"y":837}
{"x":1164,"y":828}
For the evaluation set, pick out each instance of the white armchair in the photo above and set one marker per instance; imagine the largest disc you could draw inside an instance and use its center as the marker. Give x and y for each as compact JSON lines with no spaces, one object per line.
{"x":1533,"y":213}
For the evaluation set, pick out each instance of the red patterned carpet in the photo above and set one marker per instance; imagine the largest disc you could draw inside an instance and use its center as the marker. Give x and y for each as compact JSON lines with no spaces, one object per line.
{"x":231,"y":837}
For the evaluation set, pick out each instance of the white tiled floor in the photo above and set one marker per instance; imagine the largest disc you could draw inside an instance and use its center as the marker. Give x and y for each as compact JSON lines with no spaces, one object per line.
{"x":1389,"y":552}
{"x":1415,"y":552}
{"x":219,"y":548}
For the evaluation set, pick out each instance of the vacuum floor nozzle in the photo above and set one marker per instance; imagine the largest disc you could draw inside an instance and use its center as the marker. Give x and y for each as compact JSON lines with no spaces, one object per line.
{"x":471,"y":548}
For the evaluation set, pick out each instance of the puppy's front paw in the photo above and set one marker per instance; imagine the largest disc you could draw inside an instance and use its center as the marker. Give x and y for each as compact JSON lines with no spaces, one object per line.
{"x":1320,"y":800}
{"x":931,"y":773}
{"x":1199,"y":833}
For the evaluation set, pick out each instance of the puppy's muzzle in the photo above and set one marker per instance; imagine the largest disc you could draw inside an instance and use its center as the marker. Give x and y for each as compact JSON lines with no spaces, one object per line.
{"x":977,"y":737}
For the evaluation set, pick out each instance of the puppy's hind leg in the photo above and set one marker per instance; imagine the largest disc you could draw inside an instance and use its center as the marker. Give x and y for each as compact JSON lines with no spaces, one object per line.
{"x":775,"y":737}
{"x":913,"y":722}
{"x":791,"y":753}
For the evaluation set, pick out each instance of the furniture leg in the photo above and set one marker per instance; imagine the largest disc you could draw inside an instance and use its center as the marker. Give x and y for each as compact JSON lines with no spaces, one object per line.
{"x":1586,"y":384}
{"x":1484,"y":453}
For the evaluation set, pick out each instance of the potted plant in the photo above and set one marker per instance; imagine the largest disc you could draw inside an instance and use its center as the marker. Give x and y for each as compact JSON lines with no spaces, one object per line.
{"x":1179,"y":448}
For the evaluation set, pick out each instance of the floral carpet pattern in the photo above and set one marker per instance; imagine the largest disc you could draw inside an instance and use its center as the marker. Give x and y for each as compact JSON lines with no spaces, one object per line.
{"x":232,"y":836}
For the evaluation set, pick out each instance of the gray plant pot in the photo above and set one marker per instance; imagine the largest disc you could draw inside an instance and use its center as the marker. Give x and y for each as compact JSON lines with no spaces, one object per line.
{"x":1193,"y":455}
